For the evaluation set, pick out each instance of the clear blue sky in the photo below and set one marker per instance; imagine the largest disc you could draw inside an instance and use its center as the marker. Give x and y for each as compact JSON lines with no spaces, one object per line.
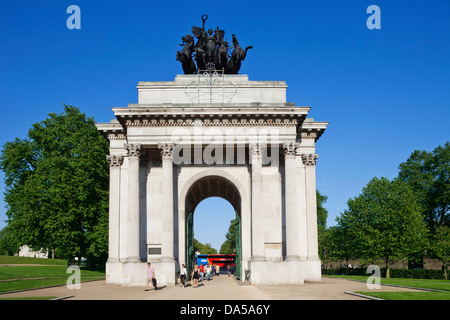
{"x":385,"y":92}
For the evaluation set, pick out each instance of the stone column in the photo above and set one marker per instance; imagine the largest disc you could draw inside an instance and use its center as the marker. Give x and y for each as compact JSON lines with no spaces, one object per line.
{"x":115,"y":162}
{"x":257,"y":207}
{"x":309,"y":160}
{"x":134,"y":151}
{"x":292,"y":223}
{"x":167,"y":232}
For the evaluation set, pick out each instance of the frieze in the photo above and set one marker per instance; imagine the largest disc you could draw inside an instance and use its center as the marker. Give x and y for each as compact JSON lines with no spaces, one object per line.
{"x":209,"y":122}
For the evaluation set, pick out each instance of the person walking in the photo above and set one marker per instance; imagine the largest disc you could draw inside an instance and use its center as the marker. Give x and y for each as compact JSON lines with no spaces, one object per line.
{"x":228,"y":269}
{"x":183,"y":275}
{"x":217,"y":269}
{"x":195,"y":276}
{"x":201,"y":268}
{"x":151,"y":276}
{"x":208,"y":272}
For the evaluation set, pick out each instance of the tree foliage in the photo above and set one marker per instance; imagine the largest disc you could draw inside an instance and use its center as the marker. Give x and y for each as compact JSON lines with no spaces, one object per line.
{"x":229,"y":246}
{"x":441,"y":247}
{"x":57,"y":185}
{"x":384,"y":221}
{"x":204,"y":248}
{"x":322,"y":215}
{"x":8,"y":243}
{"x":428,"y":173}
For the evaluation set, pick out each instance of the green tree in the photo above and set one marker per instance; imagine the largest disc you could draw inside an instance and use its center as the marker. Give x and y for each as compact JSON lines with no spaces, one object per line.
{"x":8,"y":243}
{"x":384,"y":221}
{"x":441,"y":247}
{"x":322,"y":215}
{"x":229,"y":246}
{"x":428,"y":173}
{"x":204,"y":248}
{"x":57,"y":186}
{"x":339,"y":244}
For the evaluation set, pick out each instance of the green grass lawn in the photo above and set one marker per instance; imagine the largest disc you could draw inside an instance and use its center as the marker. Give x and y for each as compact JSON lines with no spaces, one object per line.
{"x":21,"y":277}
{"x":443,"y":285}
{"x":28,"y":260}
{"x":29,"y":298}
{"x":406,"y":295}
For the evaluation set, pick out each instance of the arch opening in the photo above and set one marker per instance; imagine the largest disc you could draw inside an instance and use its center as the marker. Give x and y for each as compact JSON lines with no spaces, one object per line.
{"x":204,"y":188}
{"x":212,"y":218}
{"x":212,"y":186}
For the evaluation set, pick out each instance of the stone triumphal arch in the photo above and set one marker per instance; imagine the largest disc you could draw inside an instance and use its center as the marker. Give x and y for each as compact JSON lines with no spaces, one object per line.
{"x":178,"y":146}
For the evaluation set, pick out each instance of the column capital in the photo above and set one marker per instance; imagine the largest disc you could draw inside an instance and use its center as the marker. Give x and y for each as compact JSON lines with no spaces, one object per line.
{"x":290,"y":149}
{"x":134,"y":150}
{"x":256,"y":149}
{"x":310,"y":159}
{"x":115,"y":161}
{"x":166,"y":150}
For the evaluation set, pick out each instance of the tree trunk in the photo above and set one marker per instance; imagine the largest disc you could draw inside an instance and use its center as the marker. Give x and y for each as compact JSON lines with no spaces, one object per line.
{"x":445,"y":271}
{"x":388,"y":266}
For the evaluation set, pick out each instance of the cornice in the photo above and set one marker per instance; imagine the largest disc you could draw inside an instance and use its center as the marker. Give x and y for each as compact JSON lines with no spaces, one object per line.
{"x":310,"y":129}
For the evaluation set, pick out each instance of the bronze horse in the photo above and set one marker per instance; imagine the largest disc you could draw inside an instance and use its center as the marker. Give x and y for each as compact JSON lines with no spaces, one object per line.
{"x":238,"y":55}
{"x":185,"y":56}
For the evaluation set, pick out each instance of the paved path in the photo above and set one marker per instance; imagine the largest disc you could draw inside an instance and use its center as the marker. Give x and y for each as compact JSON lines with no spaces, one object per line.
{"x":220,"y":288}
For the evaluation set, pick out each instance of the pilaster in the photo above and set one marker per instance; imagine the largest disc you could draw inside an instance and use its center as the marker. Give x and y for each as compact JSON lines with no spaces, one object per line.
{"x":290,"y":189}
{"x":255,"y":150}
{"x":167,"y":236}
{"x":115,"y":163}
{"x":309,"y":161}
{"x":134,"y":151}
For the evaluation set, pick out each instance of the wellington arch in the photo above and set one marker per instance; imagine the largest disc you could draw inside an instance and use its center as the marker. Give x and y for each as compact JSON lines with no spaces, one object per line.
{"x":212,"y":133}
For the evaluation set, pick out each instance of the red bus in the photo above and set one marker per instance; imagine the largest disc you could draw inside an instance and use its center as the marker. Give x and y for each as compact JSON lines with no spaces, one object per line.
{"x":217,"y":259}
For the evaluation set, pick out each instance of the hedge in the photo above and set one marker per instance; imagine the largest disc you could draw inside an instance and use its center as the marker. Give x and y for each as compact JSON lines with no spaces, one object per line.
{"x":394,"y":273}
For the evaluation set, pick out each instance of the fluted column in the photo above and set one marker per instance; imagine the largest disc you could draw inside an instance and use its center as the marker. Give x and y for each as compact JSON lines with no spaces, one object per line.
{"x":115,"y":162}
{"x":292,"y":223}
{"x":167,"y":236}
{"x":257,"y":208}
{"x":309,"y":160}
{"x":134,"y":151}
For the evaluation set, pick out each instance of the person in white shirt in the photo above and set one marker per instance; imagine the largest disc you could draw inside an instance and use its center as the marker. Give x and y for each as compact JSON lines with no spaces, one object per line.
{"x":208,"y":272}
{"x":183,"y":274}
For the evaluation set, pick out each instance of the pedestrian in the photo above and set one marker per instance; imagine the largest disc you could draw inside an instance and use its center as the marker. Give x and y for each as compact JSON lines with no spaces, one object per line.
{"x":228,"y":269}
{"x":151,"y":276}
{"x":217,"y":269}
{"x":195,"y":276}
{"x":202,"y":270}
{"x":208,"y":272}
{"x":183,"y":275}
